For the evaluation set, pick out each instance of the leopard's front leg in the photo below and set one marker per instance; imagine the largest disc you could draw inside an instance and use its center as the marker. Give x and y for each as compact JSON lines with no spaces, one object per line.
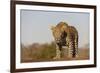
{"x":58,"y":53}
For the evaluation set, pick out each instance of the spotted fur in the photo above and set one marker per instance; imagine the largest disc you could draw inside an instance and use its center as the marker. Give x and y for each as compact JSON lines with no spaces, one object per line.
{"x":66,"y":35}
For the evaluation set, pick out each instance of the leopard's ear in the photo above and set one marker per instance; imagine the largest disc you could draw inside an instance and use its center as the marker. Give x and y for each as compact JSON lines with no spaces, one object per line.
{"x":52,"y":27}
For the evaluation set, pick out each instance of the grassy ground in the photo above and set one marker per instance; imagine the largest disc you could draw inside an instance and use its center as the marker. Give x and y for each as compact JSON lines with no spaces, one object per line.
{"x":46,"y":52}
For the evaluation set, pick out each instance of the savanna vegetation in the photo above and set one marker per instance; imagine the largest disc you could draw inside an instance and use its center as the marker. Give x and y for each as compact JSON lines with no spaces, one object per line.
{"x":45,"y":52}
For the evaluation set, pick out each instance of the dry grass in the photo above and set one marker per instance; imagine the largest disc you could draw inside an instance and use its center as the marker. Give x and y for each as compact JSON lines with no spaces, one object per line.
{"x":46,"y":52}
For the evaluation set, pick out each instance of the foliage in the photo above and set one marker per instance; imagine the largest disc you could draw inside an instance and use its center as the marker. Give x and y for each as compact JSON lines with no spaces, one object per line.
{"x":38,"y":52}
